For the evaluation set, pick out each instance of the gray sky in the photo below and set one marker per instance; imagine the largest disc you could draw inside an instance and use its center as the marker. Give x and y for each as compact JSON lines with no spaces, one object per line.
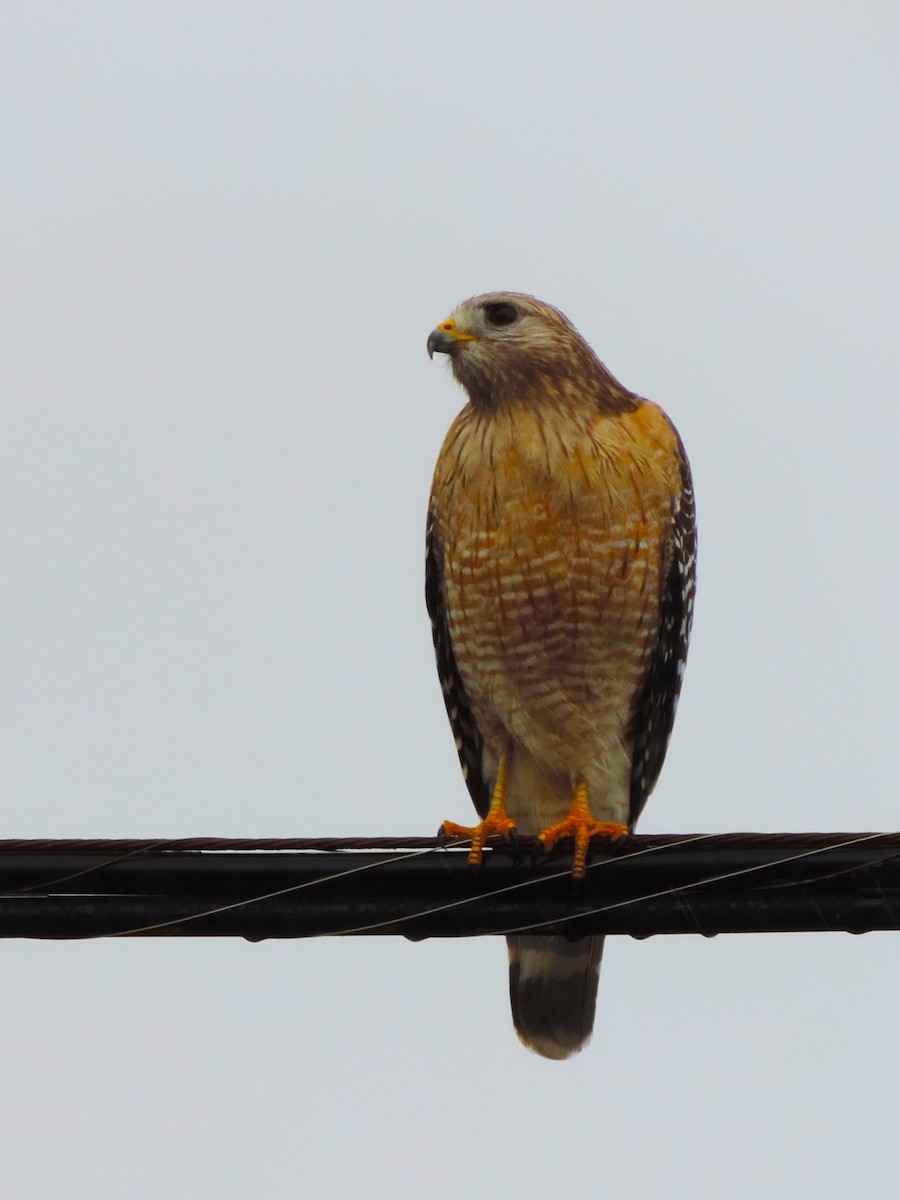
{"x":227,"y":231}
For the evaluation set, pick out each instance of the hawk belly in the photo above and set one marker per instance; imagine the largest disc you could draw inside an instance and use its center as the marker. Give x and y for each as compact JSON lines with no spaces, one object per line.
{"x":552,"y":566}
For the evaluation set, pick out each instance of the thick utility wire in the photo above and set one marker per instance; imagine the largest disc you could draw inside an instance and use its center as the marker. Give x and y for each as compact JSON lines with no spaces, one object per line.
{"x":310,"y":887}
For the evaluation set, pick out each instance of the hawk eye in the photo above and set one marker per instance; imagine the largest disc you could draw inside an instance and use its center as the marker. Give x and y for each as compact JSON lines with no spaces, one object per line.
{"x":501,"y":314}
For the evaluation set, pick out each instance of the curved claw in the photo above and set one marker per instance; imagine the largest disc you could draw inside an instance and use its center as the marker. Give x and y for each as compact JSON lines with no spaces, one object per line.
{"x":446,"y":834}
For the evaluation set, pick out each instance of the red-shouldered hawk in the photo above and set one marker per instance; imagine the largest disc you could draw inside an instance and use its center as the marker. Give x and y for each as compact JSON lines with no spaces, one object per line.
{"x":560,"y":581}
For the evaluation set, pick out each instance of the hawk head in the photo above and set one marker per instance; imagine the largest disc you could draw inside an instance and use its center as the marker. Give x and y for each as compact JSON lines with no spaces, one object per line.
{"x":507,"y":347}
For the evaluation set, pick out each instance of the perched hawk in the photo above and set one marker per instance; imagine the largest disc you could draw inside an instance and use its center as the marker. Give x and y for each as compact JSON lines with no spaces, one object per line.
{"x":560,"y":583}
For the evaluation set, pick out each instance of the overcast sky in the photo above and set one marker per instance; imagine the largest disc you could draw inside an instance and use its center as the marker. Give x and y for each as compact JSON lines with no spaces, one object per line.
{"x":227,"y":231}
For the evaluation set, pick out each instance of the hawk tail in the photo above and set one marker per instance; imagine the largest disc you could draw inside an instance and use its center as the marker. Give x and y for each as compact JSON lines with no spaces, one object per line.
{"x":553,"y":992}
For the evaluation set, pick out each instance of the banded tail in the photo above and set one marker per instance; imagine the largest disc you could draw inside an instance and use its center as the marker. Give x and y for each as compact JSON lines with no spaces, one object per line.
{"x":553,"y":992}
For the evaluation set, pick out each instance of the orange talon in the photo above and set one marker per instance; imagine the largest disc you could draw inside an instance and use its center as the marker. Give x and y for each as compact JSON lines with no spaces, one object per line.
{"x":497,"y":823}
{"x":580,"y":824}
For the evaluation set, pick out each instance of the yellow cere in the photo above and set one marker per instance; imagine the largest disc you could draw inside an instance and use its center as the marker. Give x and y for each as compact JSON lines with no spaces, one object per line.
{"x":450,"y":326}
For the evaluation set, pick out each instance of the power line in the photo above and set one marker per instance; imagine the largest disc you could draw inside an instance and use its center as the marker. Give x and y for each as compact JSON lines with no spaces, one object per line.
{"x":310,"y":887}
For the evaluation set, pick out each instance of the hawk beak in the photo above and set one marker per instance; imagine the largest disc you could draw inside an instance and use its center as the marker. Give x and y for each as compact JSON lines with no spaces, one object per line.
{"x":446,"y":338}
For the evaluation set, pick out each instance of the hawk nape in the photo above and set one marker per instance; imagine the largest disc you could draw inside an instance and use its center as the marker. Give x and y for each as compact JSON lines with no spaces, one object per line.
{"x":560,"y":580}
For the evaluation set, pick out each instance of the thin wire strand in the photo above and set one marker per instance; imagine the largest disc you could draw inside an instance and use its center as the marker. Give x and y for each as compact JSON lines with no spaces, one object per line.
{"x":46,"y":885}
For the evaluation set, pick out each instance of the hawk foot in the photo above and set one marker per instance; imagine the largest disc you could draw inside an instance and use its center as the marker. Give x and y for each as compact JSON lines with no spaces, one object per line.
{"x":582,"y":828}
{"x":499,"y":825}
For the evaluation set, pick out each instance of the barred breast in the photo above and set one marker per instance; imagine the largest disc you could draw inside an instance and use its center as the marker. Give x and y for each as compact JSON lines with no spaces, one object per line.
{"x":553,"y":527}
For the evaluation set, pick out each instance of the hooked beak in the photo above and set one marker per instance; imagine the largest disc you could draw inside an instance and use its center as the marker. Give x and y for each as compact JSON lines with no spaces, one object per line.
{"x":439,"y":343}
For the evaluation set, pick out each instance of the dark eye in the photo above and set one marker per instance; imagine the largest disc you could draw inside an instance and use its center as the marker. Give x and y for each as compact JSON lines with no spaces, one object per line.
{"x":501,"y":314}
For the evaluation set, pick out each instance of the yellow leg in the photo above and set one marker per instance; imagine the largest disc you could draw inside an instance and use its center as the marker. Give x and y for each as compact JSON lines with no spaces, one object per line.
{"x":496,"y":824}
{"x":580,"y":824}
